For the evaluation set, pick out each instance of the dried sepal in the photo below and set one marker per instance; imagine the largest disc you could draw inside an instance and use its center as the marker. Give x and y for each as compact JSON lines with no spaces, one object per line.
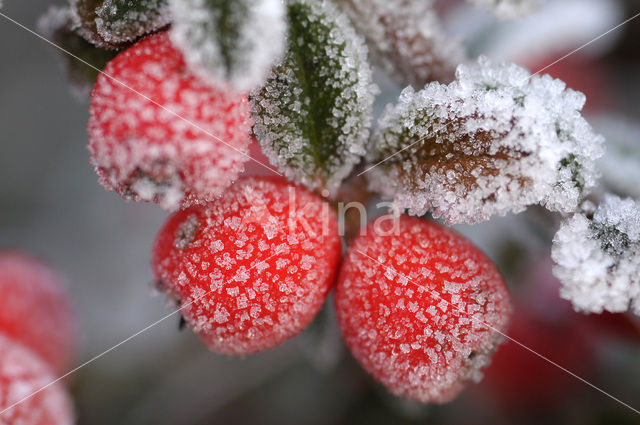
{"x":314,"y":112}
{"x":493,"y":141}
{"x":406,"y":39}
{"x":597,"y":256}
{"x":233,"y":40}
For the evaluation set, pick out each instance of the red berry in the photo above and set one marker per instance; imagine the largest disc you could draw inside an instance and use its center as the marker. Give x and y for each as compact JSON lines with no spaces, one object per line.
{"x":22,"y":373}
{"x":252,"y":268}
{"x":412,"y":301}
{"x":521,"y":381}
{"x":34,"y":309}
{"x":189,"y":152}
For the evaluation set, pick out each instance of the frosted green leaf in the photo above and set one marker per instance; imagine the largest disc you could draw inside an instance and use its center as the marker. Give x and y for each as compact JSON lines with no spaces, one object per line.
{"x":313,"y":113}
{"x":56,"y":25}
{"x":235,"y":40}
{"x":493,"y":141}
{"x":406,"y":39}
{"x":509,"y":9}
{"x":115,"y":23}
{"x":597,"y":256}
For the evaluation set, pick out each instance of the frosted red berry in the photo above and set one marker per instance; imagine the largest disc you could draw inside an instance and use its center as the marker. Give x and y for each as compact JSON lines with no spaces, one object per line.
{"x":413,"y":302}
{"x":35,"y":310}
{"x":22,"y":373}
{"x":252,"y":268}
{"x":157,"y":133}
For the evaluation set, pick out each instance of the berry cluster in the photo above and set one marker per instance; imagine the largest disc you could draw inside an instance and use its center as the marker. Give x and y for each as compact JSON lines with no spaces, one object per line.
{"x":37,"y":335}
{"x":419,"y":306}
{"x":250,"y":260}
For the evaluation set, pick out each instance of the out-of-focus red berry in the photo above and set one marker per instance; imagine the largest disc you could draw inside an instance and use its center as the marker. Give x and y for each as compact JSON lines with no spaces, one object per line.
{"x":23,"y":373}
{"x":35,"y":310}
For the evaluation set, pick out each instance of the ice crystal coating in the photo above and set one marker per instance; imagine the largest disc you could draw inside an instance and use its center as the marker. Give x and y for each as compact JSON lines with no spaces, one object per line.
{"x":420,"y":308}
{"x":57,"y":25}
{"x":252,"y":268}
{"x":597,"y":256}
{"x":158,"y":133}
{"x":492,"y":141}
{"x":406,"y":39}
{"x":509,"y":9}
{"x":314,"y":112}
{"x":21,"y":374}
{"x":233,"y":40}
{"x":620,"y":165}
{"x":113,"y":24}
{"x":35,"y":309}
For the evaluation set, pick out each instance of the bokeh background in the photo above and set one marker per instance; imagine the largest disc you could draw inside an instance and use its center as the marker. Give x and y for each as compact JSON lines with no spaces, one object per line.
{"x":52,"y":206}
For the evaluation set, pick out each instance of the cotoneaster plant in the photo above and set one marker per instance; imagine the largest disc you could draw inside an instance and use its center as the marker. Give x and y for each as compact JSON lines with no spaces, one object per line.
{"x":250,"y":260}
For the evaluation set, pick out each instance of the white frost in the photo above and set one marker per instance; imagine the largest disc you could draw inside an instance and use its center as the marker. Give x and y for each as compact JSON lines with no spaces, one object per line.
{"x":256,"y":44}
{"x":406,"y":39}
{"x":291,"y":101}
{"x":597,"y":256}
{"x":493,"y":141}
{"x":143,"y":18}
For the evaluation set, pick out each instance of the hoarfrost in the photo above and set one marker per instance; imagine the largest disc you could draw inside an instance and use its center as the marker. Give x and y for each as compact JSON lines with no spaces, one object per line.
{"x":189,"y":150}
{"x":243,"y":300}
{"x":406,"y":39}
{"x":113,"y":24}
{"x":314,"y":112}
{"x":493,"y":141}
{"x":235,"y":40}
{"x":446,"y":335}
{"x":119,"y":22}
{"x":597,"y":256}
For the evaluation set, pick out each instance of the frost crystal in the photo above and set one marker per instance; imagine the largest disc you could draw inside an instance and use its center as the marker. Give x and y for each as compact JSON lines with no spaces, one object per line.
{"x":252,"y":268}
{"x":406,"y":39}
{"x":235,"y":40}
{"x":115,"y":23}
{"x":597,"y":255}
{"x":509,"y":9}
{"x":157,"y":133}
{"x":493,"y":141}
{"x":314,"y":112}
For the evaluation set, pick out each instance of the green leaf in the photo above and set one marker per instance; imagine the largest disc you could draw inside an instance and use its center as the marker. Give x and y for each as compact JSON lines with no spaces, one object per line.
{"x":113,"y":24}
{"x":235,"y":40}
{"x":313,"y":114}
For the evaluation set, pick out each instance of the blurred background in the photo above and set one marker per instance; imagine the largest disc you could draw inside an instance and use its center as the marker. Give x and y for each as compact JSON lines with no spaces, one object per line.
{"x":52,"y":206}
